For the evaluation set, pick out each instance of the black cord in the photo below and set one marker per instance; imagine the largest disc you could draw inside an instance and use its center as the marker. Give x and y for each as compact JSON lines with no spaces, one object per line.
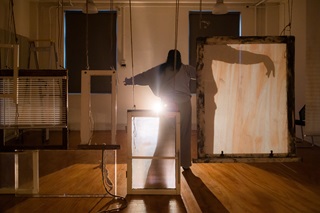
{"x":14,"y":22}
{"x":116,"y":199}
{"x":87,"y":36}
{"x":288,"y":26}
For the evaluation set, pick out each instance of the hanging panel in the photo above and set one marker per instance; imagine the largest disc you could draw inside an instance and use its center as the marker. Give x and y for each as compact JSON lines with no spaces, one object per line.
{"x":245,"y":95}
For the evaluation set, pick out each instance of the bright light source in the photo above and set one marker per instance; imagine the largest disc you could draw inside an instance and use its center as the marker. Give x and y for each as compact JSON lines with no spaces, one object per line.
{"x":159,"y":107}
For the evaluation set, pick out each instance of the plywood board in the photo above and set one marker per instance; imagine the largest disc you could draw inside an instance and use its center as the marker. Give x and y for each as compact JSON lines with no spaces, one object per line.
{"x":245,"y":95}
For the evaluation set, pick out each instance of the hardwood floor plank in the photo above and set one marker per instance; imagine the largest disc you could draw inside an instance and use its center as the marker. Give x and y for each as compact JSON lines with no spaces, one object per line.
{"x":188,"y":197}
{"x":245,"y":188}
{"x":54,"y":205}
{"x":155,"y":203}
{"x":206,"y":187}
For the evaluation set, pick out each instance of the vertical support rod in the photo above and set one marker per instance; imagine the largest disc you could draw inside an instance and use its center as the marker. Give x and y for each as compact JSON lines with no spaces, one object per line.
{"x":15,"y":72}
{"x":114,"y":108}
{"x":16,"y":171}
{"x":129,"y":153}
{"x":35,"y":171}
{"x":178,"y":151}
{"x":85,"y":127}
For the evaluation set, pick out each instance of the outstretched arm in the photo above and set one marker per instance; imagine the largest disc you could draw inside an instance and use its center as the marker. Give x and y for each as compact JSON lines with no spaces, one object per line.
{"x":230,"y":55}
{"x":146,"y":78}
{"x":127,"y":81}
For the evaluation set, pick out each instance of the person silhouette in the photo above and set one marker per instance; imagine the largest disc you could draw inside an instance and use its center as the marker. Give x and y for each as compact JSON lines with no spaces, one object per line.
{"x":170,"y":81}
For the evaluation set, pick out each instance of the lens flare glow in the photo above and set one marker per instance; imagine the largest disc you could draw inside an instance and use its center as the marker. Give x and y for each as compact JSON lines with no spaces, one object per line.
{"x":159,"y":107}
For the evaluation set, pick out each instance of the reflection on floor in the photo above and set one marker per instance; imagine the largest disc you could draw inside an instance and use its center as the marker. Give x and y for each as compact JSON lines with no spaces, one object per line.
{"x":216,"y":187}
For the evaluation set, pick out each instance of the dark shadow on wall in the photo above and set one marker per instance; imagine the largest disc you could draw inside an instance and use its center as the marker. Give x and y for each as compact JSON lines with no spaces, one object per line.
{"x":6,"y":55}
{"x":206,"y":83}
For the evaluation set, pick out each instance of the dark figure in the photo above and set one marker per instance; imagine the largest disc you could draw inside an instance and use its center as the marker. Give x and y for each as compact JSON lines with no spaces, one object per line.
{"x":170,"y":81}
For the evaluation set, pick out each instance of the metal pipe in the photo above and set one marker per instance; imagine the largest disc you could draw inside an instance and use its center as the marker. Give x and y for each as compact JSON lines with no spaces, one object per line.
{"x":260,"y":2}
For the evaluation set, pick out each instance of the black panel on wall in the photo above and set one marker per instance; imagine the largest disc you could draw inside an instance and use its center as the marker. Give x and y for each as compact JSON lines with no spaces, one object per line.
{"x":98,"y":31}
{"x":206,"y":24}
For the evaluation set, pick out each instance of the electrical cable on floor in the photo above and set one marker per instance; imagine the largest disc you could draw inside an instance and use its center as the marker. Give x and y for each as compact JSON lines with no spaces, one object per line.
{"x":120,"y":202}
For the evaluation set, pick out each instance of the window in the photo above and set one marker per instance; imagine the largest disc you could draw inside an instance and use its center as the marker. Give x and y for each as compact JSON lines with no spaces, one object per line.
{"x":101,"y":38}
{"x":209,"y":26}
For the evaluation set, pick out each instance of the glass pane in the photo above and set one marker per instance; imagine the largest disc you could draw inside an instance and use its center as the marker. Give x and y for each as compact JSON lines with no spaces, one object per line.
{"x":7,"y":172}
{"x":153,"y":136}
{"x":153,"y":174}
{"x":25,"y":172}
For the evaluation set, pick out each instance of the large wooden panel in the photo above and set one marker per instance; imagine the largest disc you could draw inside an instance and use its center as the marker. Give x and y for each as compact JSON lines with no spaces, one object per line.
{"x":245,"y":95}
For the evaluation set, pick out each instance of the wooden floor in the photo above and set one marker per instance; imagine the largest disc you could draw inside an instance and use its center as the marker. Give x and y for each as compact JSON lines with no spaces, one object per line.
{"x":215,"y":187}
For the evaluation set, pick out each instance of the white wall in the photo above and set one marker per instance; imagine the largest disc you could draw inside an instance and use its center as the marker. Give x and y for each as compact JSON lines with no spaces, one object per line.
{"x":21,"y":16}
{"x":299,"y":31}
{"x":153,"y":28}
{"x":299,"y":27}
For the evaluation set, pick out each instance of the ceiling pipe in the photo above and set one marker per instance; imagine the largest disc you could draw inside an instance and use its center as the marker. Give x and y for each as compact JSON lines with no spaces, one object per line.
{"x":260,"y":2}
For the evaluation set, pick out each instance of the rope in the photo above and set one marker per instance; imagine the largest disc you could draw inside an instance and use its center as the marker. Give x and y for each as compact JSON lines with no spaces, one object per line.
{"x":60,"y":30}
{"x":176,"y":41}
{"x":11,"y":29}
{"x":176,"y":25}
{"x":200,"y":21}
{"x":131,"y":43}
{"x":87,"y":35}
{"x":290,"y":6}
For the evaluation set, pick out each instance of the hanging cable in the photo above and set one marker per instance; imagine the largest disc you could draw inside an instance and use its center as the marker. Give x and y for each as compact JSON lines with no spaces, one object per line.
{"x":131,"y":44}
{"x":60,"y":30}
{"x":11,"y":24}
{"x":176,"y":41}
{"x":176,"y":24}
{"x":9,"y":36}
{"x":14,"y":23}
{"x":58,"y":23}
{"x":112,"y":28}
{"x":200,"y":18}
{"x":290,"y":8}
{"x":87,"y":36}
{"x":288,"y":26}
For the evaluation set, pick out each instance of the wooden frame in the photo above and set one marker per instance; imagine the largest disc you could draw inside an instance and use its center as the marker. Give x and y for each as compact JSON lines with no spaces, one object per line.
{"x":18,"y":188}
{"x":15,"y":58}
{"x":34,"y":189}
{"x":86,"y":103}
{"x":153,"y":157}
{"x":250,"y":112}
{"x":33,"y":106}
